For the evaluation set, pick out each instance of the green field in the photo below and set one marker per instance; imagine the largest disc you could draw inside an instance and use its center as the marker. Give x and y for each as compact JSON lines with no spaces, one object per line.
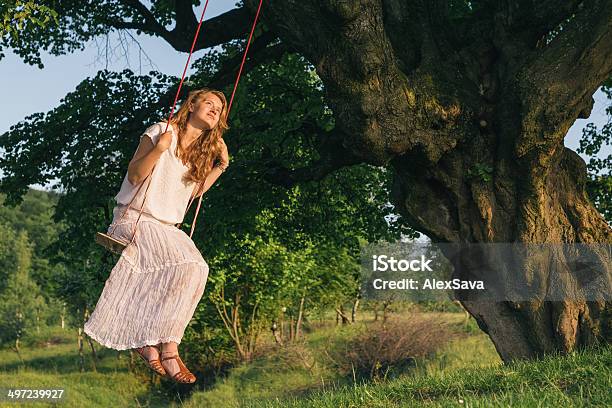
{"x":463,"y":372}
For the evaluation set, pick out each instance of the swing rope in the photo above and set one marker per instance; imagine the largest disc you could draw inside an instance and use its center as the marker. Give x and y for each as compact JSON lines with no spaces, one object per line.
{"x":172,"y":112}
{"x":246,"y":50}
{"x":195,"y":39}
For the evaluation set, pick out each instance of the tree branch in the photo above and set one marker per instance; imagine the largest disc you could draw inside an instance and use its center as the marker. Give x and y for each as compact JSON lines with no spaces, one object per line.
{"x":539,"y":18}
{"x":127,"y":25}
{"x":259,"y":52}
{"x":150,"y":21}
{"x":333,"y":156}
{"x":215,"y":31}
{"x":579,"y":57}
{"x":225,"y":27}
{"x":184,"y":15}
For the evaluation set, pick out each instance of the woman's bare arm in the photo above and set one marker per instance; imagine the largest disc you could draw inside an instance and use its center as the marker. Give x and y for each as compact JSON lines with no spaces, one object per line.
{"x":215,"y":172}
{"x":143,"y":161}
{"x":210,"y":180}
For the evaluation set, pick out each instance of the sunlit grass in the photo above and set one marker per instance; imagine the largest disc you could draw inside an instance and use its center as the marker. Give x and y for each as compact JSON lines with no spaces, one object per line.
{"x":580,"y":379}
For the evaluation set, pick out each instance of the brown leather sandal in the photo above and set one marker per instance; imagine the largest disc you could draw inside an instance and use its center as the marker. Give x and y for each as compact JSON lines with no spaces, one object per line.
{"x":183,"y":376}
{"x":153,"y":364}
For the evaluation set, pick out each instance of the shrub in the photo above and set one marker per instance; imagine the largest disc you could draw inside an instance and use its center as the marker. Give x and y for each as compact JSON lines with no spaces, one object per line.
{"x":388,"y":350}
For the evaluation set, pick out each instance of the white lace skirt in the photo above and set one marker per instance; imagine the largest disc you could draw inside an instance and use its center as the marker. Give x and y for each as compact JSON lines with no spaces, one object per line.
{"x":153,"y":290}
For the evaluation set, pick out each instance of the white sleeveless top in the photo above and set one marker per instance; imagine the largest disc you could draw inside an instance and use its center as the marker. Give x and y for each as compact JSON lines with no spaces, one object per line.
{"x":168,"y":195}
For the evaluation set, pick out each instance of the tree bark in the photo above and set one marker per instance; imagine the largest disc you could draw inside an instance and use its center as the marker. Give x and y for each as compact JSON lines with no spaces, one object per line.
{"x":94,"y":355}
{"x":80,"y":344}
{"x":341,"y":314}
{"x":298,"y":324}
{"x":18,"y":350}
{"x":354,"y":309}
{"x":278,"y":338}
{"x":63,"y":316}
{"x":386,"y":310}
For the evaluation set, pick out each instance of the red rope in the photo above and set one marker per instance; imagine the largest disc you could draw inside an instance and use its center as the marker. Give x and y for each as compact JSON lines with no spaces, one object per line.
{"x":228,"y":109}
{"x":178,"y":91}
{"x":244,"y":58}
{"x":246,"y":50}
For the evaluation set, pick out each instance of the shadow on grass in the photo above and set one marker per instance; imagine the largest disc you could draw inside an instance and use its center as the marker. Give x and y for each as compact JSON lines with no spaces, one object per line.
{"x":65,"y":363}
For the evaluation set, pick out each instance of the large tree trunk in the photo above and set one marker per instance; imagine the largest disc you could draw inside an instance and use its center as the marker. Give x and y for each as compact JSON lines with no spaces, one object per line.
{"x":550,"y":207}
{"x":471,"y":114}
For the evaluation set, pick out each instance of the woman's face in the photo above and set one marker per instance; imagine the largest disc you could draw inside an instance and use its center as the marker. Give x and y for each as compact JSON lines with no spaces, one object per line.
{"x":207,"y":110}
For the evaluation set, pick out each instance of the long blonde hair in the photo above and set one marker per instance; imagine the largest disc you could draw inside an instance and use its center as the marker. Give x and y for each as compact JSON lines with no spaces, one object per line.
{"x":203,"y":151}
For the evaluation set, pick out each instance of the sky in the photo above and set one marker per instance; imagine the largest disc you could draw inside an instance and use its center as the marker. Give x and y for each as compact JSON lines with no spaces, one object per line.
{"x":28,"y":89}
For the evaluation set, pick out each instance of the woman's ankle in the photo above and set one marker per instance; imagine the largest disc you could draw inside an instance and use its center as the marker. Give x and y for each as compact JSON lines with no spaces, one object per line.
{"x":169,"y":347}
{"x":169,"y":353}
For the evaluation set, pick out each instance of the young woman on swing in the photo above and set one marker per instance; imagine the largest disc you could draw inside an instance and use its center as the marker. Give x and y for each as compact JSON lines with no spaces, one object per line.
{"x":153,"y":290}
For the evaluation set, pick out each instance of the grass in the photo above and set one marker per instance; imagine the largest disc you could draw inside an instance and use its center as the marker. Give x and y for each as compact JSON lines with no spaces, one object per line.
{"x":89,"y":389}
{"x":578,"y":380}
{"x":52,"y":362}
{"x":284,"y":378}
{"x":465,"y":372}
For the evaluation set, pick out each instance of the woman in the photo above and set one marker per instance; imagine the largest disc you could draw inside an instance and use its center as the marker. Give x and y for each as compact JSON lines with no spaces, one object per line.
{"x":152,"y":292}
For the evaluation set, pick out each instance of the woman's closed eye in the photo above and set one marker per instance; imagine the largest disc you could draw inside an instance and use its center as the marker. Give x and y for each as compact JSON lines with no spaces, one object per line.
{"x":212,"y":107}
